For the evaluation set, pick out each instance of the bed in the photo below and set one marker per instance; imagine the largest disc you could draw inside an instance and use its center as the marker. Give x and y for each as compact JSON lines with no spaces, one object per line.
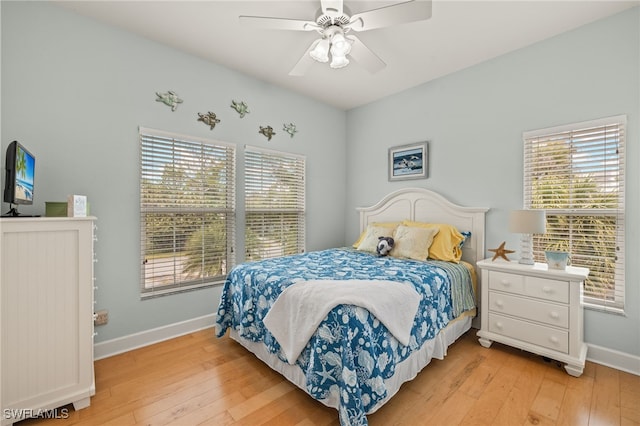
{"x":354,"y":354}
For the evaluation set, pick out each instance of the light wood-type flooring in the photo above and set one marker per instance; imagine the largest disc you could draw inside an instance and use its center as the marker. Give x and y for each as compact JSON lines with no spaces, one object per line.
{"x":198,"y":379}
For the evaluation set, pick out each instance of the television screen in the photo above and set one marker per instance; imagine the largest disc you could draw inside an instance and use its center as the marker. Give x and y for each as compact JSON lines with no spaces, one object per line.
{"x":20,"y":167}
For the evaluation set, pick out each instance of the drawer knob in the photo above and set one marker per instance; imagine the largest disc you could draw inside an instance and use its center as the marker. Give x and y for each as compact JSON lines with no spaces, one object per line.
{"x":505,"y":283}
{"x":547,"y":290}
{"x":554,"y":315}
{"x":553,"y":339}
{"x":499,"y":325}
{"x":499,"y":303}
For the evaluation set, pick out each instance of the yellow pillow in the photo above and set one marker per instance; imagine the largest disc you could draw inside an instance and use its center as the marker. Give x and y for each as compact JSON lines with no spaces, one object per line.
{"x":446,"y":244}
{"x":413,"y":242}
{"x":388,"y":232}
{"x":369,"y":240}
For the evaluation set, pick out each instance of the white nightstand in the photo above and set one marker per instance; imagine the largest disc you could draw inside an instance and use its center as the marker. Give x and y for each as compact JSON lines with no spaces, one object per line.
{"x":535,"y":309}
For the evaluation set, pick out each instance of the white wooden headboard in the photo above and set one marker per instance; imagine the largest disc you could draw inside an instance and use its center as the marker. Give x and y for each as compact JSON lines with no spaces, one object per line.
{"x":423,"y":205}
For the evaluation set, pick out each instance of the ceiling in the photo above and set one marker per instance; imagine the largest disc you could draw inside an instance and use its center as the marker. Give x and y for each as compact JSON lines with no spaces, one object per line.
{"x":458,"y":35}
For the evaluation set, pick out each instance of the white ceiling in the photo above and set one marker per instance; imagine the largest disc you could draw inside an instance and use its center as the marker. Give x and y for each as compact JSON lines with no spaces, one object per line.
{"x":458,"y":35}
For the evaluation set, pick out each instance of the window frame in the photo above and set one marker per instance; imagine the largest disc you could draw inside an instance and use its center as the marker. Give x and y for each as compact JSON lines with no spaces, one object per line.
{"x":585,"y":137}
{"x":224,"y":155}
{"x":260,"y":164}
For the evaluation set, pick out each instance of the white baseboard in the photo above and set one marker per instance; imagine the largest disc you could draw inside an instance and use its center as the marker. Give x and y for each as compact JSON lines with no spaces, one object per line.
{"x":598,"y":354}
{"x":614,"y":359}
{"x":148,"y":337}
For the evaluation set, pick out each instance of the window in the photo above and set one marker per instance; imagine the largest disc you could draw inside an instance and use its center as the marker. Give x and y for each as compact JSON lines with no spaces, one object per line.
{"x":187,"y":208}
{"x":576,"y":173}
{"x":274,"y":202}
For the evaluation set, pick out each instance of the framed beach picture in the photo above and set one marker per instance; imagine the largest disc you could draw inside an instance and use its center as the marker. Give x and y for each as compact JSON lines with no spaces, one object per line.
{"x":408,"y":161}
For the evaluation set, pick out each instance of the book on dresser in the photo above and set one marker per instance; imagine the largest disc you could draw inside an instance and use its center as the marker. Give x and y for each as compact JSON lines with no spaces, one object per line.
{"x":534,"y":308}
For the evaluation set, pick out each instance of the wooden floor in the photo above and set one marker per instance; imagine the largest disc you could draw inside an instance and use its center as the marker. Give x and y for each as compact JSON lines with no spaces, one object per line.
{"x":198,"y":379}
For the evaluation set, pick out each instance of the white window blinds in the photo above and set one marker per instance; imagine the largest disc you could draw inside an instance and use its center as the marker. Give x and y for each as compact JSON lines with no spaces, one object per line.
{"x":187,"y":208}
{"x":274,"y":203}
{"x":576,"y":173}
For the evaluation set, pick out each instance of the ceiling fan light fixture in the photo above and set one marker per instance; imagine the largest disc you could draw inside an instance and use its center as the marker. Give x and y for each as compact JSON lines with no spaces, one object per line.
{"x":320,"y":53}
{"x":334,"y":21}
{"x":338,"y":61}
{"x":339,"y":45}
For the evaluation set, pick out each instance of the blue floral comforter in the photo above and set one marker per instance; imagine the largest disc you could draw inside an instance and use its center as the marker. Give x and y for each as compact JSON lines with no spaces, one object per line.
{"x":351,"y":353}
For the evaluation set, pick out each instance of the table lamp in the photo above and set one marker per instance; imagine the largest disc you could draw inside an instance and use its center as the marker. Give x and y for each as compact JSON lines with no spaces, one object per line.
{"x":527,"y":223}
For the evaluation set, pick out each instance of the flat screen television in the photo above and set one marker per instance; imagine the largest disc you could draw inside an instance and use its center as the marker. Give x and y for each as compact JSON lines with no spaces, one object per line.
{"x":20,"y":172}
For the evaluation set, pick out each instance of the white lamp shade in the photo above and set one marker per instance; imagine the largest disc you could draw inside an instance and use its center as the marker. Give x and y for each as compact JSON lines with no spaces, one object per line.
{"x":338,"y":61}
{"x":320,"y":53}
{"x":527,"y":222}
{"x":339,"y":45}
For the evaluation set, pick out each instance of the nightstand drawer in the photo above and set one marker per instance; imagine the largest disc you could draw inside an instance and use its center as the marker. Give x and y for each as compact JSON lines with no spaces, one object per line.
{"x":543,"y":288}
{"x":539,"y":335}
{"x":506,"y":282}
{"x":548,"y":313}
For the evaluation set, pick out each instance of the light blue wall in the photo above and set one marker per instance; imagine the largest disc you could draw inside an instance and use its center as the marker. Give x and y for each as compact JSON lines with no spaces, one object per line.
{"x":74,"y":92}
{"x":474,"y":121}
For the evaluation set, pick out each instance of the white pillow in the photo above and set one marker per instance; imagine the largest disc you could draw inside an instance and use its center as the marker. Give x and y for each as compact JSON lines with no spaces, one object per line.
{"x":413,"y":242}
{"x":371,"y":236}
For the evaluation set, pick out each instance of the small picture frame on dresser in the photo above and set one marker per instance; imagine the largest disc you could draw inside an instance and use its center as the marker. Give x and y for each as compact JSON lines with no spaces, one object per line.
{"x":77,"y":206}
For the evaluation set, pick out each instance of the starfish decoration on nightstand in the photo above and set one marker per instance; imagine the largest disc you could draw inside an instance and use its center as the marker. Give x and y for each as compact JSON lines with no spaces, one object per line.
{"x":501,"y":252}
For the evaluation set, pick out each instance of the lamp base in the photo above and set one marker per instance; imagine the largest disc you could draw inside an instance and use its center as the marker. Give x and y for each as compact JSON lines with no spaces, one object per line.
{"x":526,"y":250}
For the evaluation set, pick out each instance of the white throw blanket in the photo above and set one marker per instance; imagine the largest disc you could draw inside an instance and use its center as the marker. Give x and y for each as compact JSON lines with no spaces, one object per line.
{"x":302,"y":306}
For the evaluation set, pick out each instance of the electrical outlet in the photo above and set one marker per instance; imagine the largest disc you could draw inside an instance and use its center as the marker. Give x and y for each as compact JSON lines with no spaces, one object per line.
{"x":101,"y":317}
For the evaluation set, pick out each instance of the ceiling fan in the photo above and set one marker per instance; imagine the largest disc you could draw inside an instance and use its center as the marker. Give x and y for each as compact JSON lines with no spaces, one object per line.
{"x":335,"y":27}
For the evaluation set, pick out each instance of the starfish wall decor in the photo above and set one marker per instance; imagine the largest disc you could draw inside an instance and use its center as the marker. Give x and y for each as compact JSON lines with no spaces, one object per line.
{"x":501,"y":252}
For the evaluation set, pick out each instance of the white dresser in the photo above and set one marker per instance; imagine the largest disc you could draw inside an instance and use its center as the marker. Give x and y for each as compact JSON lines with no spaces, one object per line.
{"x":46,"y":314}
{"x":535,"y":309}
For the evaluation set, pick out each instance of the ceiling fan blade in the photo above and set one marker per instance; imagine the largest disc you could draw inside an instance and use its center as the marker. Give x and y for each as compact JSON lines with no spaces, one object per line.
{"x":278,"y":23}
{"x":304,"y":62}
{"x":400,"y":13}
{"x":365,"y":57}
{"x":330,"y":7}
